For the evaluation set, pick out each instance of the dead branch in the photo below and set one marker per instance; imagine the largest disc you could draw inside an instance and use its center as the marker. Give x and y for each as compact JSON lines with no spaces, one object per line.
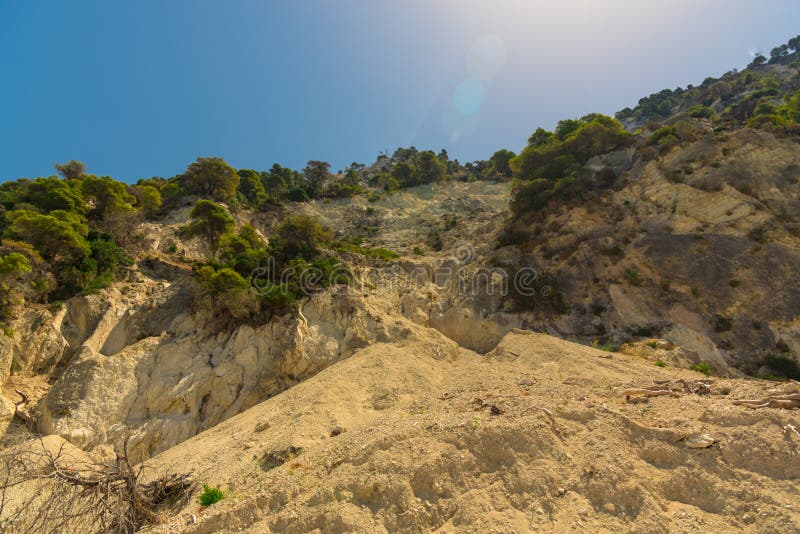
{"x":647,"y":392}
{"x":46,"y":490}
{"x":785,"y":402}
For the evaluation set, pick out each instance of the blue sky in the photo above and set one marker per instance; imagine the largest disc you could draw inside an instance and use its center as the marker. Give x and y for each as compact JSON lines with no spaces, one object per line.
{"x":140,"y":89}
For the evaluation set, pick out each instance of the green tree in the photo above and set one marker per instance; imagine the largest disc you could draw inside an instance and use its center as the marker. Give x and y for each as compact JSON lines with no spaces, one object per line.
{"x":566,"y":127}
{"x":107,"y":195}
{"x":244,"y":251}
{"x":429,"y":168}
{"x":108,"y":256}
{"x":210,"y":221}
{"x":149,"y":200}
{"x":793,"y":108}
{"x":779,"y":52}
{"x":172,"y":193}
{"x":251,"y":187}
{"x":49,"y":194}
{"x":300,"y":236}
{"x":500,"y":163}
{"x":59,"y":237}
{"x":12,"y":267}
{"x":403,"y":173}
{"x":213,"y":178}
{"x":540,"y":137}
{"x":317,"y":174}
{"x":71,"y":169}
{"x":227,"y":294}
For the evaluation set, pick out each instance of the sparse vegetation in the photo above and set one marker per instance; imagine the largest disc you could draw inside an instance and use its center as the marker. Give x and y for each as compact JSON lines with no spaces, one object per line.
{"x":210,"y":495}
{"x":704,"y":368}
{"x":783,"y":365}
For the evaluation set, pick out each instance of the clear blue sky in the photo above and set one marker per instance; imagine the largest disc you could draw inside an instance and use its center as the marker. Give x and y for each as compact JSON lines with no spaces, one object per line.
{"x":141,"y":88}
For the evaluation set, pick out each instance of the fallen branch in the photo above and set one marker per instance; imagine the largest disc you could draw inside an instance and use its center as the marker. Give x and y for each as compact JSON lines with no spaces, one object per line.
{"x":646,"y":392}
{"x":45,"y":490}
{"x":785,"y":402}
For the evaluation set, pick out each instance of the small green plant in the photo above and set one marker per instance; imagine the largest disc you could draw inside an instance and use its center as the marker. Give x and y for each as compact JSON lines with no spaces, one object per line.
{"x":704,"y":368}
{"x":609,"y":348}
{"x":659,"y":363}
{"x":653,"y":344}
{"x":210,"y":495}
{"x":418,"y":251}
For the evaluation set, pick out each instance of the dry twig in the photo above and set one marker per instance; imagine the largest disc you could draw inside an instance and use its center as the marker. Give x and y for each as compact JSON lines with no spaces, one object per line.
{"x":786,"y":402}
{"x":45,"y":490}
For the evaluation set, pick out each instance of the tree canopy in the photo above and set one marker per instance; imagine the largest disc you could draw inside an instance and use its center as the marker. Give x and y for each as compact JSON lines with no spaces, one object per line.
{"x":212,"y":178}
{"x":210,"y":221}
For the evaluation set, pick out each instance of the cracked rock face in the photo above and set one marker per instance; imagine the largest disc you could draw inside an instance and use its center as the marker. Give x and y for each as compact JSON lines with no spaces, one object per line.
{"x":161,"y":390}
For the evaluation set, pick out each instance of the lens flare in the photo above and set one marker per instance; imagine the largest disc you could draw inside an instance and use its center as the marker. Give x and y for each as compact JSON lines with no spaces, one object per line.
{"x":468,"y":97}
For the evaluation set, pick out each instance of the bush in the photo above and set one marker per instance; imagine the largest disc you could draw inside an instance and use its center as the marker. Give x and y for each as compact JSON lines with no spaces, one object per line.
{"x":553,"y":166}
{"x":210,"y":221}
{"x":300,"y":236}
{"x":210,"y":495}
{"x":700,"y":112}
{"x":783,"y":365}
{"x":704,"y":368}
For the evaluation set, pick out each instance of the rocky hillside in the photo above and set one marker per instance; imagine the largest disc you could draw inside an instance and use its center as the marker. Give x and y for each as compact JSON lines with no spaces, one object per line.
{"x":356,"y":351}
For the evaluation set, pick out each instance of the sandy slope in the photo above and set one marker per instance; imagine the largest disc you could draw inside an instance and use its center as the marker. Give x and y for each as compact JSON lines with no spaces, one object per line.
{"x":535,"y":436}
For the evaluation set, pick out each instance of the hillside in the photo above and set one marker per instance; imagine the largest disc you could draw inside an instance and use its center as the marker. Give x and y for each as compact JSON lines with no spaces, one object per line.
{"x":418,"y":344}
{"x":535,"y":435}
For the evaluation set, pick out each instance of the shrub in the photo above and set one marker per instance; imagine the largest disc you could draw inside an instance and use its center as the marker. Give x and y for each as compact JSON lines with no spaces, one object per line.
{"x":210,"y":495}
{"x":297,"y":195}
{"x":300,"y":236}
{"x":150,"y":200}
{"x":704,"y":368}
{"x":210,"y":221}
{"x":700,"y":112}
{"x":783,"y":365}
{"x":662,"y":133}
{"x":659,"y":363}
